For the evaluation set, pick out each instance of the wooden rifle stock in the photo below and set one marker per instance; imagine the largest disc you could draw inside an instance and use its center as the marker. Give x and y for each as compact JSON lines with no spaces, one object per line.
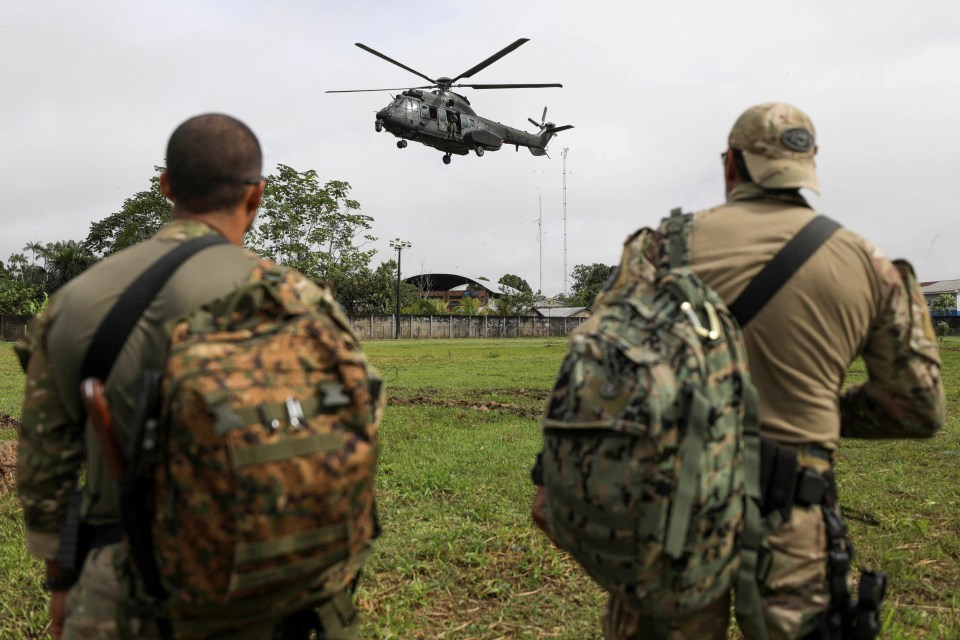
{"x":98,"y":410}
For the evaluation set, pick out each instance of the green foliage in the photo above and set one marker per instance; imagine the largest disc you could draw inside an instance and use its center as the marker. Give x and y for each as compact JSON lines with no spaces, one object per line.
{"x":63,"y":261}
{"x":587,"y":282}
{"x":469,"y":306}
{"x":514,"y":282}
{"x":942,"y":328}
{"x":943,"y":303}
{"x":364,"y":291}
{"x":312,"y":228}
{"x":139,"y":218}
{"x":26,"y":285}
{"x":424,"y":307}
{"x":517,"y":304}
{"x":20,"y":299}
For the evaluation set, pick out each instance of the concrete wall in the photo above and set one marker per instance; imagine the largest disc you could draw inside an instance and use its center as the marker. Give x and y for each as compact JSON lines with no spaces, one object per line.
{"x":418,"y":327}
{"x":427,"y":327}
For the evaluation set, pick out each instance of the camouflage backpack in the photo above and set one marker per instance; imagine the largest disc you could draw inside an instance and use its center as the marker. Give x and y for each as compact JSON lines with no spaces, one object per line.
{"x":259,"y":459}
{"x":643,"y":452}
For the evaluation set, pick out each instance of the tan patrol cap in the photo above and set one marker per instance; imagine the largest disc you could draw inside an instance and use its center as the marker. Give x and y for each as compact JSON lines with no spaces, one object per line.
{"x":779,"y":143}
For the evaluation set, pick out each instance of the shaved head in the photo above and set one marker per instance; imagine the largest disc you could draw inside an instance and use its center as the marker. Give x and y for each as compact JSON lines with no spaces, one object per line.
{"x":211,"y":158}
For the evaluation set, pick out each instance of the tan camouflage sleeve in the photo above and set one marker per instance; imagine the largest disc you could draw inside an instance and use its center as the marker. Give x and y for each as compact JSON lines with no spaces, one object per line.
{"x":904,"y":396}
{"x":50,"y":453}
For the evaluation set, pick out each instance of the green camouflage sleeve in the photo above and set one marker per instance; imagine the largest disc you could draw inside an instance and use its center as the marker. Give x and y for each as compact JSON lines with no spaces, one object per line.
{"x":904,"y":396}
{"x":50,"y":453}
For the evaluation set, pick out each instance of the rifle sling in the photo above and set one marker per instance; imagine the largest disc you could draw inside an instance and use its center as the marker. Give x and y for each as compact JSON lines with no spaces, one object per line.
{"x":119,"y":322}
{"x":783,"y":265}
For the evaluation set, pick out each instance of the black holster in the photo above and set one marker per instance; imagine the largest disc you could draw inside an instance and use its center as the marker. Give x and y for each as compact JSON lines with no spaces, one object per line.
{"x":784,"y":483}
{"x":77,"y":539}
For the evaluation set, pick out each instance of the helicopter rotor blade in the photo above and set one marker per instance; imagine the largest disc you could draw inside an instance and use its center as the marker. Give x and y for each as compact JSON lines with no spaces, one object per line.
{"x":533,"y":122}
{"x":489,"y":61}
{"x":429,"y":86}
{"x":509,"y":86}
{"x":543,"y":118}
{"x":559,"y":129}
{"x":391,"y":60}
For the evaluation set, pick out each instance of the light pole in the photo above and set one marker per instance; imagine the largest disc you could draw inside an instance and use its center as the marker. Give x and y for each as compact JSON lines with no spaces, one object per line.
{"x":399,"y":245}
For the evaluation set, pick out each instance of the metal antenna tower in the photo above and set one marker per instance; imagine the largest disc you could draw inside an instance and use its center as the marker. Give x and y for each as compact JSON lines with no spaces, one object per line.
{"x":540,"y":240}
{"x":564,"y":154}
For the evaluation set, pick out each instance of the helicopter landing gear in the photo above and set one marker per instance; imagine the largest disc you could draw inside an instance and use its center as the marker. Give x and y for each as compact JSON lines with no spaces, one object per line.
{"x":378,"y":126}
{"x":446,"y":158}
{"x":401,"y":144}
{"x":479,"y":151}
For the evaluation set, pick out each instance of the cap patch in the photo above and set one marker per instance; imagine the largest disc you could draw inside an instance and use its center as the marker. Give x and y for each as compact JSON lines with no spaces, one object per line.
{"x":798,"y":139}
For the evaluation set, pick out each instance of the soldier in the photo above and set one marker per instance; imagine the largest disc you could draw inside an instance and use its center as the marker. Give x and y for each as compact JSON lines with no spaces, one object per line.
{"x":213,"y":180}
{"x":847,"y":300}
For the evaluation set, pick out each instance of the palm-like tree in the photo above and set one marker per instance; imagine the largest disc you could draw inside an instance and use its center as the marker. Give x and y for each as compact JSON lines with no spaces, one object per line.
{"x":64,"y":260}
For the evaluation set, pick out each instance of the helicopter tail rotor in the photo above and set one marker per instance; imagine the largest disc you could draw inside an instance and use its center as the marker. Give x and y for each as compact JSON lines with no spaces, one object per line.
{"x":546,"y":131}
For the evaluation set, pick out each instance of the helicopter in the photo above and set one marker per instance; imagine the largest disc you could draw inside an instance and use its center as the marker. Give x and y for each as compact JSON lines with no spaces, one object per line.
{"x":444,"y":119}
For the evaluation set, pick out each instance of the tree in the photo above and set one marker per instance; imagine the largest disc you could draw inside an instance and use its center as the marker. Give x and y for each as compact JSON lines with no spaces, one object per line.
{"x":515,"y":282}
{"x":517,"y":304}
{"x":942,"y":305}
{"x":314,"y":229}
{"x":139,"y":218}
{"x":64,"y":260}
{"x":469,"y":306}
{"x":588,"y":280}
{"x":373,"y":292}
{"x":20,"y":299}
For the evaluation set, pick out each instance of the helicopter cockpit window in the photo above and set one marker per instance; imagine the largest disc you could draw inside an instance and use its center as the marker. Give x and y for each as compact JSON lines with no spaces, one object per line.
{"x":424,"y":111}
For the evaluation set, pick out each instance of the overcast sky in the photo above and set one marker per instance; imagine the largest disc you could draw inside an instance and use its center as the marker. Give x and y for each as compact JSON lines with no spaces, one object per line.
{"x":92,"y":90}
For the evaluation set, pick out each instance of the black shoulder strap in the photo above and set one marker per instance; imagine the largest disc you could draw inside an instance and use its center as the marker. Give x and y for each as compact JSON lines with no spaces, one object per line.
{"x":113,"y":332}
{"x":783,"y":265}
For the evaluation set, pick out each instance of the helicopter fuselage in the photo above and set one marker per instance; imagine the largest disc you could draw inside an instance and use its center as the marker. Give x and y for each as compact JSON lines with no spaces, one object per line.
{"x":446,"y":121}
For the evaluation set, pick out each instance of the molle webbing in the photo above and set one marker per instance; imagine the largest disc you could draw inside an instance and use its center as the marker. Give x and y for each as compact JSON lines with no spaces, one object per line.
{"x":677,"y":247}
{"x":688,"y":485}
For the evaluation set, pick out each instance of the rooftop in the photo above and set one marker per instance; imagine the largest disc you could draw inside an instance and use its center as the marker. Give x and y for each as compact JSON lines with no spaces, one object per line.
{"x":943,"y":286}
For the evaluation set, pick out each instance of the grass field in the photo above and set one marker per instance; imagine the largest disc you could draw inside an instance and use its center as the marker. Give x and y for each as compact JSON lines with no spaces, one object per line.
{"x":459,"y":558}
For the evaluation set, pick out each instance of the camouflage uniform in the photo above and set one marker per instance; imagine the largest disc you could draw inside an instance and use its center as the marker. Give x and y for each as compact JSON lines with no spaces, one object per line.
{"x":54,"y":444}
{"x":847,"y":300}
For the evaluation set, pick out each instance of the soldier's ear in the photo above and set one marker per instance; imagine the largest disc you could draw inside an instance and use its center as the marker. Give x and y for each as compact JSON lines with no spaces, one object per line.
{"x":252,"y":203}
{"x":730,"y":172}
{"x":165,"y":186}
{"x":255,"y":196}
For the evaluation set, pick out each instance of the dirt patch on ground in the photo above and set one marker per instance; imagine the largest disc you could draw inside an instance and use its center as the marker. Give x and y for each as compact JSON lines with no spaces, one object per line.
{"x":8,"y":465}
{"x":473,"y":405}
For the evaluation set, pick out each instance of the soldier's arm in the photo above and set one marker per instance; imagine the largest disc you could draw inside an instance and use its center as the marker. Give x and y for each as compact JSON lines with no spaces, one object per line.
{"x":50,"y":453}
{"x":904,"y":396}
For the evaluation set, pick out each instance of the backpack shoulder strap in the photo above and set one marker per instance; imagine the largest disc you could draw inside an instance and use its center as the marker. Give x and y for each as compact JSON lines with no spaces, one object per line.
{"x":783,"y":265}
{"x":119,"y":322}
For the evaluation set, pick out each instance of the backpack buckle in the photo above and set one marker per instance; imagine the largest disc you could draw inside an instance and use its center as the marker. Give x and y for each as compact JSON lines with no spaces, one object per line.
{"x":714,"y":331}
